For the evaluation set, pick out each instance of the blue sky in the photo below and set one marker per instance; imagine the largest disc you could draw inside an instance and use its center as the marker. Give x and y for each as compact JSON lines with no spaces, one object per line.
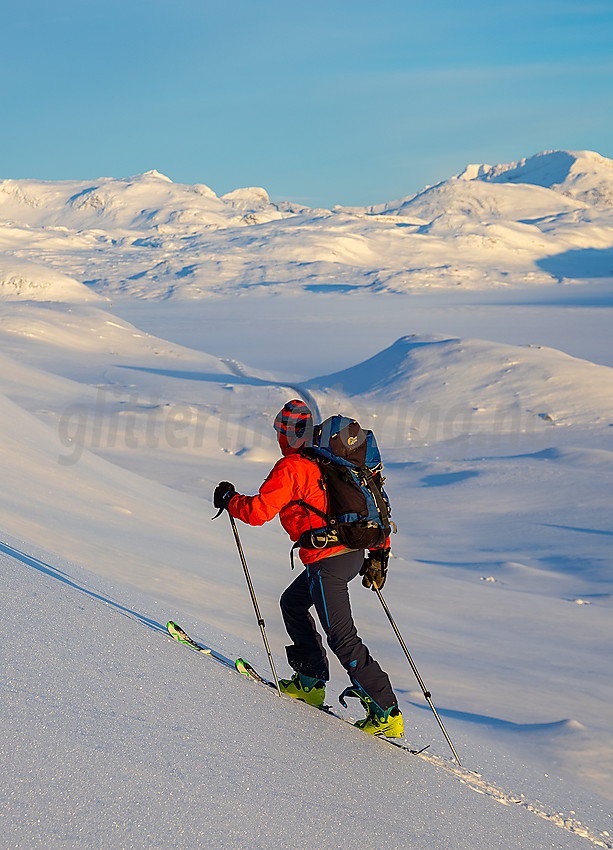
{"x":325,"y":102}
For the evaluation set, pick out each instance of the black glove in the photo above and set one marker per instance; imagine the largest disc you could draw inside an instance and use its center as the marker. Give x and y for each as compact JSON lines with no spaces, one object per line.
{"x":222,"y":495}
{"x":374,"y":568}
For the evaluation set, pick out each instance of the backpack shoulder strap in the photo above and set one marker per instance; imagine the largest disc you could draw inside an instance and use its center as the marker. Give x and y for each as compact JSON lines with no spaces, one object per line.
{"x":309,"y":454}
{"x":314,"y":510}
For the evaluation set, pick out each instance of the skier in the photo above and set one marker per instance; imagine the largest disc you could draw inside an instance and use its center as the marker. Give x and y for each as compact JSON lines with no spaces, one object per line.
{"x":323,"y":583}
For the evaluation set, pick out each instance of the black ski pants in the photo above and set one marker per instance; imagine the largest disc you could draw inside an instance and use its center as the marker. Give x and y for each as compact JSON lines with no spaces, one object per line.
{"x":324,"y":585}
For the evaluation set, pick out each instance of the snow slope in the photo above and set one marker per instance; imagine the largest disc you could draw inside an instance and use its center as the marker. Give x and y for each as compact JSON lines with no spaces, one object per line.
{"x":87,"y":449}
{"x":116,"y":736}
{"x":68,"y":387}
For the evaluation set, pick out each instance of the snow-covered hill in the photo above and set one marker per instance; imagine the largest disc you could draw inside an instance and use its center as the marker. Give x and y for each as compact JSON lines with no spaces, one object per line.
{"x":26,"y":281}
{"x":486,"y":386}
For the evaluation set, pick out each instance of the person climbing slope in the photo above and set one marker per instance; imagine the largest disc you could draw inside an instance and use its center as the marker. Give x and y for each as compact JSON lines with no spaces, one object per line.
{"x":298,"y":492}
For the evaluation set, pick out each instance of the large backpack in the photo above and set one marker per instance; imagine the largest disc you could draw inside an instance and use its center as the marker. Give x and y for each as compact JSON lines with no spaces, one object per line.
{"x":358,"y":515}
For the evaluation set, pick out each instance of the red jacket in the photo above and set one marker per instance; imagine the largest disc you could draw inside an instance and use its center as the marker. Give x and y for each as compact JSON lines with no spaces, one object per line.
{"x":293,"y":477}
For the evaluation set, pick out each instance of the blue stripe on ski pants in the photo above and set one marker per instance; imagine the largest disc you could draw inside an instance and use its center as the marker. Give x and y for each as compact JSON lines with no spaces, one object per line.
{"x":324,"y":585}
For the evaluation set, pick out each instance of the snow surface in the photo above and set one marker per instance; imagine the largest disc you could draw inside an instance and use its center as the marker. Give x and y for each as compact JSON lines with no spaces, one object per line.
{"x":115,"y":736}
{"x":494,"y":411}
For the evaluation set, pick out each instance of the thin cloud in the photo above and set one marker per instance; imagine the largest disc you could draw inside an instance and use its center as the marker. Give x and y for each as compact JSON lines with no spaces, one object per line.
{"x":478,"y":73}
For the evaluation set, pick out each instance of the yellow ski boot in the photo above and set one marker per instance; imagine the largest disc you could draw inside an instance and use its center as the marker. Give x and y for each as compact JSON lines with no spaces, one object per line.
{"x":378,"y":721}
{"x":305,"y":688}
{"x":388,"y":723}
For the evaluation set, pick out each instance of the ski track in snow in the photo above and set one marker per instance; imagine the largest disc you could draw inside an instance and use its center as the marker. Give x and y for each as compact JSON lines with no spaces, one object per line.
{"x":300,"y":390}
{"x":479,"y":783}
{"x":482,"y":785}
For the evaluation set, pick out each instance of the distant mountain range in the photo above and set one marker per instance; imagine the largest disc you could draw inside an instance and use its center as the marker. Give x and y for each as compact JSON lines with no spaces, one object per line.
{"x":543,"y":219}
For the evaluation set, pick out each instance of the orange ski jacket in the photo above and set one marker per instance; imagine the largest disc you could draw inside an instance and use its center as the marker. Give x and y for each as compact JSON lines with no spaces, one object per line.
{"x":293,"y":477}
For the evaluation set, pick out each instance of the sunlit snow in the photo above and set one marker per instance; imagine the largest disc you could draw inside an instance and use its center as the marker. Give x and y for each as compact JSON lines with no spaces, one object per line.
{"x":149,"y":332}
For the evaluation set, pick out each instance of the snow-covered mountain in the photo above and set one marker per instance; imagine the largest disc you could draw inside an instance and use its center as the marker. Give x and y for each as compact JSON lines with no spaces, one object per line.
{"x":544,"y":219}
{"x":145,"y":201}
{"x":582,"y":175}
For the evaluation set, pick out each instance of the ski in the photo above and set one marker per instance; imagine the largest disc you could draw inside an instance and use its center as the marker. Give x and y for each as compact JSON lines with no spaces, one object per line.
{"x":175,"y":631}
{"x":246,"y":669}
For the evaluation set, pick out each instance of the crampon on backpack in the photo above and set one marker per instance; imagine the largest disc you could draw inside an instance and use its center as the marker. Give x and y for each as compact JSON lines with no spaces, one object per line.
{"x":358,"y":514}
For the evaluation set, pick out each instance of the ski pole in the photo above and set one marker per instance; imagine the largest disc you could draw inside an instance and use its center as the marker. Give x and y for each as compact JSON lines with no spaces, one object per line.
{"x":426,"y":693}
{"x":261,"y":623}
